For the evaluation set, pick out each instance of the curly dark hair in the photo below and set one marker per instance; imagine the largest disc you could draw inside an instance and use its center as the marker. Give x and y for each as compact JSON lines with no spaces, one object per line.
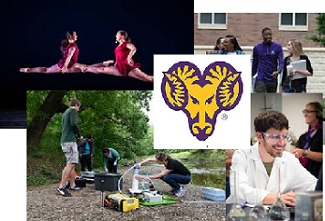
{"x":271,"y":119}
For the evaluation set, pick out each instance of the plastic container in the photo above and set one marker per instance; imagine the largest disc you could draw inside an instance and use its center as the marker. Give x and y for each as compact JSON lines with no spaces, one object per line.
{"x":135,"y":182}
{"x":80,"y":182}
{"x":214,"y":194}
{"x":107,"y":181}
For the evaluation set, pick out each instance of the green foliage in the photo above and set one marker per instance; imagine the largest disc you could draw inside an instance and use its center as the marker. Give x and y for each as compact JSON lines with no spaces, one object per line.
{"x":34,"y":102}
{"x":37,"y":180}
{"x":198,"y":154}
{"x":44,"y":176}
{"x":115,"y":118}
{"x":320,"y":30}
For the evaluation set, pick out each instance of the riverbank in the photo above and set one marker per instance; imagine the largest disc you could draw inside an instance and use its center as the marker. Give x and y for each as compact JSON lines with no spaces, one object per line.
{"x":43,"y":203}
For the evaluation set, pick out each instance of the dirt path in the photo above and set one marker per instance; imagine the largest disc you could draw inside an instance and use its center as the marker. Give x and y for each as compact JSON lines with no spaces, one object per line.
{"x":43,"y":203}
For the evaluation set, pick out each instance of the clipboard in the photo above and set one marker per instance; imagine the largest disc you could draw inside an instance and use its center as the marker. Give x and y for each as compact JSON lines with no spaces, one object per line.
{"x":298,"y":65}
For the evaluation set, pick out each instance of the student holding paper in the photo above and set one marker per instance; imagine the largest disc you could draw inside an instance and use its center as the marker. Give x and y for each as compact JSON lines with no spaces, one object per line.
{"x":291,"y":84}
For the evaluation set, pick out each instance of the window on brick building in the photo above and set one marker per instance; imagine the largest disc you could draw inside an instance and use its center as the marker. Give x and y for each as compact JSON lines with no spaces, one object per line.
{"x":212,"y":20}
{"x":293,"y":22}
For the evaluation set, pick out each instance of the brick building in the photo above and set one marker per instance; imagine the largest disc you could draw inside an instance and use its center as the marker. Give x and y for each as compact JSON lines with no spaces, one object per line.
{"x":247,"y":28}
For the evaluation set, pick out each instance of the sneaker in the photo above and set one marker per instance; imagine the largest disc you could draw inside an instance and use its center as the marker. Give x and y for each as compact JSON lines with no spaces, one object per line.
{"x":63,"y":192}
{"x":180,"y":192}
{"x":74,"y":188}
{"x":67,"y":185}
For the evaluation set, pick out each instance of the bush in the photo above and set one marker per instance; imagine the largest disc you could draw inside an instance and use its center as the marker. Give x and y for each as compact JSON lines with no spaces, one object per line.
{"x":37,"y":180}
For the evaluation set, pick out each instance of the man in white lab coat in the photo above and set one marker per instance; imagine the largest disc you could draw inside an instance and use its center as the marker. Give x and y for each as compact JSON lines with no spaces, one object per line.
{"x":258,"y":167}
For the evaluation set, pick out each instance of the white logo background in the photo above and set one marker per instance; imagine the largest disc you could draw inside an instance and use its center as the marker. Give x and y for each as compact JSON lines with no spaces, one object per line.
{"x":171,"y":128}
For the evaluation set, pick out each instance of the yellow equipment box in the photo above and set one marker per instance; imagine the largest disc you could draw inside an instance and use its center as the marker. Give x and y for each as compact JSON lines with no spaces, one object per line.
{"x":121,"y":202}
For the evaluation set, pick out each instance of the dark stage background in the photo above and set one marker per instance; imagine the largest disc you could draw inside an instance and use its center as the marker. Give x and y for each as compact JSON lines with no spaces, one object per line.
{"x":12,"y":109}
{"x":32,"y":32}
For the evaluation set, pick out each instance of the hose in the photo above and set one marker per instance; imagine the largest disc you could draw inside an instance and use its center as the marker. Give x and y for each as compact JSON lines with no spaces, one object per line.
{"x":119,"y":181}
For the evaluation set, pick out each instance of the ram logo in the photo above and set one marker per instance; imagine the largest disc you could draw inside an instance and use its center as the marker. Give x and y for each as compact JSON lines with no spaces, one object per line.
{"x":202,"y":97}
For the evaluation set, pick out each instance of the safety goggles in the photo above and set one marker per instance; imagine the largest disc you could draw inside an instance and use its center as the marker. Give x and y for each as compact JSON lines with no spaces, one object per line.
{"x":308,"y":111}
{"x":274,"y":138}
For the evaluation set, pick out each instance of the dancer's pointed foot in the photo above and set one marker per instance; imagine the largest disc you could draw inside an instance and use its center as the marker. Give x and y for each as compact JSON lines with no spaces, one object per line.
{"x":25,"y":70}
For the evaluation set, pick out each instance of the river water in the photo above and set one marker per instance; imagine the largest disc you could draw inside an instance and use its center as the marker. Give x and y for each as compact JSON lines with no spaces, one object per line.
{"x":207,"y":173}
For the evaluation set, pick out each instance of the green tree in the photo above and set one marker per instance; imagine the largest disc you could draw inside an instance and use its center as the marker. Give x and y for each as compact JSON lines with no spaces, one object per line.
{"x":320,"y":30}
{"x":42,"y":112}
{"x":115,"y":118}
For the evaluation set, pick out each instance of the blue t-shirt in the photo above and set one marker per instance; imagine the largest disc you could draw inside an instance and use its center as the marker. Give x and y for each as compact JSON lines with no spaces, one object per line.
{"x":87,"y":149}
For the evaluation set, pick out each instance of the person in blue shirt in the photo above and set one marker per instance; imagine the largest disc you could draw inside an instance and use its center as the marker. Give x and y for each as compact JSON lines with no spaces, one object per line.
{"x":86,"y":150}
{"x":267,"y":63}
{"x":110,"y":160}
{"x":231,"y":46}
{"x":218,"y":46}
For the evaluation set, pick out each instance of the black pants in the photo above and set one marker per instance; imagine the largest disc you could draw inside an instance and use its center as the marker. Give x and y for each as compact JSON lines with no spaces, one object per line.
{"x":110,"y":166}
{"x":86,"y":160}
{"x":265,"y":87}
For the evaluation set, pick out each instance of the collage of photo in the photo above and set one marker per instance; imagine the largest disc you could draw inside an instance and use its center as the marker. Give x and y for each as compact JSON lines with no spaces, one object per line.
{"x":119,"y":111}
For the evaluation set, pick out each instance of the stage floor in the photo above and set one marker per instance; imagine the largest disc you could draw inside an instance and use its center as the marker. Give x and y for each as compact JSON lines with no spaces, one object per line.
{"x":12,"y":119}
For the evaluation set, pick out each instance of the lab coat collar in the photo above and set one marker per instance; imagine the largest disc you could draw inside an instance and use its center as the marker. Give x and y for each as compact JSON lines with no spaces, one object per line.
{"x":259,"y":166}
{"x":256,"y":155}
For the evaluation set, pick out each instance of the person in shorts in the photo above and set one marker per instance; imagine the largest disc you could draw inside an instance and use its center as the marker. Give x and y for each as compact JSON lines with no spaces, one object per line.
{"x":70,"y":133}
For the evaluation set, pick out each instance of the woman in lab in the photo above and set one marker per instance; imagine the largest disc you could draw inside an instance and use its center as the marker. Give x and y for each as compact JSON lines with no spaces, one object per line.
{"x":290,"y":85}
{"x":174,"y":174}
{"x":309,"y":149}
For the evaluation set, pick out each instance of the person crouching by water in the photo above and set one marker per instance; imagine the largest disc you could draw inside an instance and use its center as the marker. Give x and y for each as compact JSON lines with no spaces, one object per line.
{"x":110,"y":160}
{"x":174,"y":174}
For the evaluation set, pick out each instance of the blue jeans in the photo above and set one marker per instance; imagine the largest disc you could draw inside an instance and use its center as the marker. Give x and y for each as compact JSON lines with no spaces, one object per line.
{"x":227,"y":187}
{"x":298,"y":89}
{"x":173,"y":180}
{"x":287,"y":89}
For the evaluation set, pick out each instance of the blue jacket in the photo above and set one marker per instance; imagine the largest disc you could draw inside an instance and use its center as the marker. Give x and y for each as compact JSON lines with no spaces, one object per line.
{"x":226,"y":52}
{"x":267,"y":58}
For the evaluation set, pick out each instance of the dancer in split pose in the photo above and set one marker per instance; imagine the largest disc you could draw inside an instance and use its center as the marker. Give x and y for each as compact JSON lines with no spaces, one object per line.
{"x":68,"y":64}
{"x":124,"y":65}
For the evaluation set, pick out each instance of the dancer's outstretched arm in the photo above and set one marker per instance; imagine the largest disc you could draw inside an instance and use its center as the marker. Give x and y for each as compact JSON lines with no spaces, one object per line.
{"x":133,"y":49}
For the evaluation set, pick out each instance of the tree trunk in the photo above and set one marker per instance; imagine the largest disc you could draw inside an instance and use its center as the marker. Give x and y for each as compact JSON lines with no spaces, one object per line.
{"x":52,"y":104}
